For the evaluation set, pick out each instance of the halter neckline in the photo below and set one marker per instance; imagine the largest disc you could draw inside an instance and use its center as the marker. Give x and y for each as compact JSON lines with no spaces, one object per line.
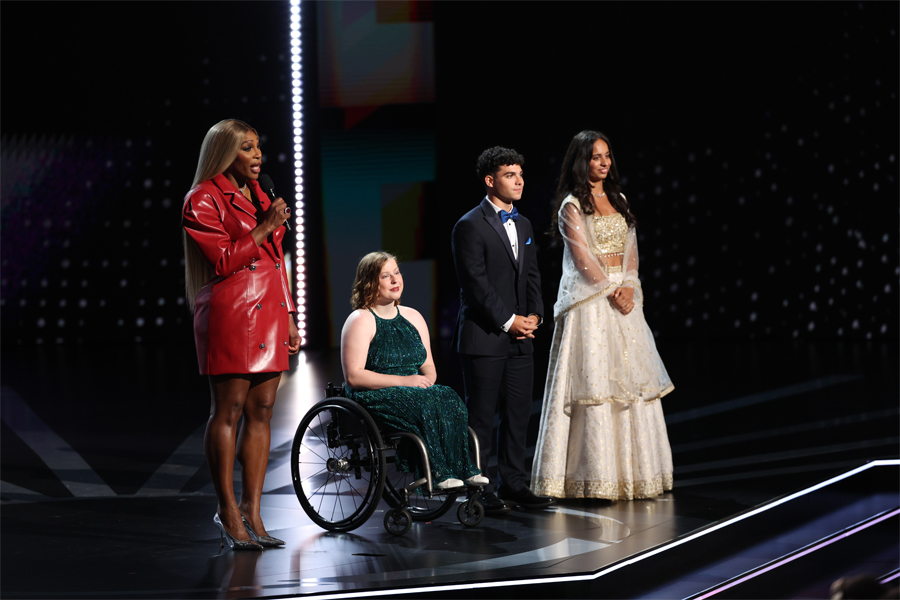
{"x":382,"y":318}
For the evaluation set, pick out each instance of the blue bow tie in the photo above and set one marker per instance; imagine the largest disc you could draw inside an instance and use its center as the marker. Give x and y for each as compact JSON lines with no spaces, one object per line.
{"x":506,"y":216}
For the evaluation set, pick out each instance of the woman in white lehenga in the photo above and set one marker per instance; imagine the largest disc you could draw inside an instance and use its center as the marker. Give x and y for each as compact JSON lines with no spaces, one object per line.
{"x":602,"y":431}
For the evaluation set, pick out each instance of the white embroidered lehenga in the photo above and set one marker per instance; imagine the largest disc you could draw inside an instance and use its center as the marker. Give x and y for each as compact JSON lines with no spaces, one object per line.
{"x":602,"y":432}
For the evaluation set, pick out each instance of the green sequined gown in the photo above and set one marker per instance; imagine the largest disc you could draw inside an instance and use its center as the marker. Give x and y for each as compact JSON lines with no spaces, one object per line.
{"x":436,"y":414}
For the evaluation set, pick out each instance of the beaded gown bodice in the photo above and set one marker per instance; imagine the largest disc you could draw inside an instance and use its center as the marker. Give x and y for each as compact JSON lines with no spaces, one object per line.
{"x":396,"y":348}
{"x":608,"y":234}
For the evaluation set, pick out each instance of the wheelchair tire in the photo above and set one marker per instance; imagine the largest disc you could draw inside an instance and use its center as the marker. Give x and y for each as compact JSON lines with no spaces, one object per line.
{"x":421,"y":508}
{"x":470,"y":513}
{"x":337,"y":464}
{"x":397,"y":521}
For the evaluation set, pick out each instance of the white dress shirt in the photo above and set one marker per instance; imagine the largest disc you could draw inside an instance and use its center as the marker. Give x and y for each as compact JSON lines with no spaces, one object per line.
{"x":513,"y":235}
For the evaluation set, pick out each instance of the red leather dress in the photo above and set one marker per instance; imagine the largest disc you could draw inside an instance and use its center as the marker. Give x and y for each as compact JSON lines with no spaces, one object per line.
{"x":241,"y":314}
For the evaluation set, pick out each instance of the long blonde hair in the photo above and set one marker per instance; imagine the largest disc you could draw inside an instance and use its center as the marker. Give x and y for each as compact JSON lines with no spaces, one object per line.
{"x":365,"y":285}
{"x":219,"y":149}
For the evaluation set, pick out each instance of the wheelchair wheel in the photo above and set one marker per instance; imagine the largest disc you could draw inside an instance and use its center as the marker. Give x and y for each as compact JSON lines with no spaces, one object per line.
{"x":421,"y":508}
{"x":337,"y":464}
{"x":397,"y":521}
{"x":470,"y":513}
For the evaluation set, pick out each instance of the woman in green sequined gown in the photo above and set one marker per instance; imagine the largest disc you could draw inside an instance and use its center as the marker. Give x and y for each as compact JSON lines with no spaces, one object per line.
{"x":388,"y":369}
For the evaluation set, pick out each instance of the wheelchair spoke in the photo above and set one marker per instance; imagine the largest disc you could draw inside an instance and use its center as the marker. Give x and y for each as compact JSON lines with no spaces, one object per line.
{"x":353,"y":494}
{"x":310,"y":448}
{"x":315,"y":430}
{"x":337,"y":470}
{"x":322,"y":496}
{"x":319,"y":490}
{"x":307,"y":481}
{"x":337,"y":500}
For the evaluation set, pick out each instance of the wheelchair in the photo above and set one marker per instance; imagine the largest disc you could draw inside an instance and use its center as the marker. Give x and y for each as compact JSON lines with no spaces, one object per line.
{"x":342,"y":465}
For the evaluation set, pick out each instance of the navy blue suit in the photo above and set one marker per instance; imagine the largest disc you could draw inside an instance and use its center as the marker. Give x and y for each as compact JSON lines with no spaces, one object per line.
{"x":498,"y":370}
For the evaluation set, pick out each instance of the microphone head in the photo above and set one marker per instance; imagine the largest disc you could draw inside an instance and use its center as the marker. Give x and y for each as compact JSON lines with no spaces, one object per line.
{"x":265,"y":182}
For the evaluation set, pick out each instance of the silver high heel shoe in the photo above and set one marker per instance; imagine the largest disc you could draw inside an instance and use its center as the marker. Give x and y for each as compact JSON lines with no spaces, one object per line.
{"x":266,"y":541}
{"x":232,"y":542}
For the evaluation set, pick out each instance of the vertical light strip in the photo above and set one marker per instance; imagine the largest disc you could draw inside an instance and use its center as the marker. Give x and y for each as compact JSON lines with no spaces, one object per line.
{"x":297,"y":93}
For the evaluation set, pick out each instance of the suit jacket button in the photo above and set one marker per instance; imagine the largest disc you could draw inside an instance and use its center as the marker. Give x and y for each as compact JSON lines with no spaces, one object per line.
{"x":258,"y":306}
{"x":261,"y":346}
{"x":285,"y":343}
{"x":277,"y":265}
{"x":282,"y":305}
{"x":252,"y":267}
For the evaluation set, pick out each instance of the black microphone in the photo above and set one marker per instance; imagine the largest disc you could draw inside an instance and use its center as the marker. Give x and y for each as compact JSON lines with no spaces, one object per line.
{"x":268,"y":186}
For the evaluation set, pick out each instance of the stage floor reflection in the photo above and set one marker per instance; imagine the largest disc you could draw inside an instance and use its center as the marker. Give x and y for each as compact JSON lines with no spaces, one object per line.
{"x":106,"y":494}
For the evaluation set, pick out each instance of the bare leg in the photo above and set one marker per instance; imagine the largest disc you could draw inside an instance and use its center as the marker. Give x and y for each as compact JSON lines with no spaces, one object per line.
{"x":253,"y":445}
{"x":229,"y":395}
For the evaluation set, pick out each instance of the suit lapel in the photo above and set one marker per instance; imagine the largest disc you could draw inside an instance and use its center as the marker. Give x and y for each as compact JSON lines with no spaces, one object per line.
{"x":490,"y":215}
{"x":240,"y":203}
{"x":520,"y":233}
{"x":237,"y":200}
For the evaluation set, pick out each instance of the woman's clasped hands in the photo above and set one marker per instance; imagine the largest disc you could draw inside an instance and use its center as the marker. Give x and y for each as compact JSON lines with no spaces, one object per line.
{"x":419,"y":381}
{"x":622,"y":299}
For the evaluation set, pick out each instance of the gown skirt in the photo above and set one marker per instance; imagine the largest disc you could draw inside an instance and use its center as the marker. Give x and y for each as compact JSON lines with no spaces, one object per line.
{"x":602,"y":432}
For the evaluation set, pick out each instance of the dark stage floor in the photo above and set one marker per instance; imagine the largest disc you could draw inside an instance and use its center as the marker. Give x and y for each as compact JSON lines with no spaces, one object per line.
{"x":105,"y":491}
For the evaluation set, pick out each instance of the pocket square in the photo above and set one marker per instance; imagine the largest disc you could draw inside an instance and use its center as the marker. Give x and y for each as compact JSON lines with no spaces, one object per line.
{"x":528,"y":242}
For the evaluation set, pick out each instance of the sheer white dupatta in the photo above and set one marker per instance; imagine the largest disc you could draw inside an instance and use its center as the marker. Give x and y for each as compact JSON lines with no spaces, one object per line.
{"x":584,"y":275}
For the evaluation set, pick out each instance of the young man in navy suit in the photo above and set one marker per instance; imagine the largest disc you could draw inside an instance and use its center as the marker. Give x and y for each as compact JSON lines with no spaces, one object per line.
{"x":500,"y":309}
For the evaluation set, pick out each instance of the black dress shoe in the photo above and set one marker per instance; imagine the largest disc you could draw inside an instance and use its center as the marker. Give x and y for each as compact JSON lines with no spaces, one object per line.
{"x":494,"y":505}
{"x":526,"y":498}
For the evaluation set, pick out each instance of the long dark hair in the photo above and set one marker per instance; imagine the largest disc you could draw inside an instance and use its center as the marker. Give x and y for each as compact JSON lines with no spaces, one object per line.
{"x":574,"y":179}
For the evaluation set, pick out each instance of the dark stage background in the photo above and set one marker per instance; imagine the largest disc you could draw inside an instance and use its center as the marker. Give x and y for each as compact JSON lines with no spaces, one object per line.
{"x":757,"y":144}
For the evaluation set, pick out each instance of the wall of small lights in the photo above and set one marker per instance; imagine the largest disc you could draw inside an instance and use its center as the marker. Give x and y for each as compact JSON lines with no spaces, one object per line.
{"x":299,"y":224}
{"x":93,"y":188}
{"x":766,"y":211}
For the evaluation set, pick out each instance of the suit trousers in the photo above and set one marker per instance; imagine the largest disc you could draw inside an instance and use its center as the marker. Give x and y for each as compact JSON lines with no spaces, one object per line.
{"x":501,"y":384}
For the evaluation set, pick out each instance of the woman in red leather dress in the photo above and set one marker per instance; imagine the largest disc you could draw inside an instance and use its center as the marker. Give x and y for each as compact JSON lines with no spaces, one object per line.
{"x":237,"y":287}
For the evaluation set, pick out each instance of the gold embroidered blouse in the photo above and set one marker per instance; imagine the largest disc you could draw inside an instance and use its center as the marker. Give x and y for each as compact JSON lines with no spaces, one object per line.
{"x":609,"y":234}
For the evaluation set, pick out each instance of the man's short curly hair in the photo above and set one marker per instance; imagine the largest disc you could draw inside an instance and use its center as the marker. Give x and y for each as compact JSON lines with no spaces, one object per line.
{"x":492,"y":159}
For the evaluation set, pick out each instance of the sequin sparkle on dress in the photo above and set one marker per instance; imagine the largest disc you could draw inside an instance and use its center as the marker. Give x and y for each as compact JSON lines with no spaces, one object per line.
{"x":436,"y":414}
{"x":602,"y":432}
